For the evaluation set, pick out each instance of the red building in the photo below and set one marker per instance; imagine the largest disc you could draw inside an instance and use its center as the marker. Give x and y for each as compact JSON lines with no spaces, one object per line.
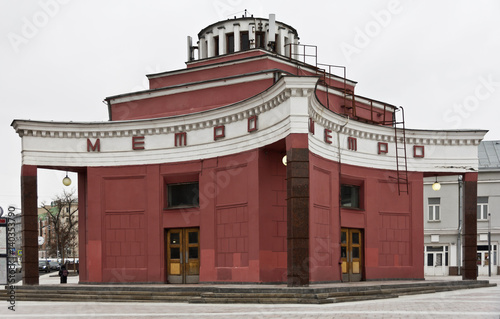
{"x":188,"y":181}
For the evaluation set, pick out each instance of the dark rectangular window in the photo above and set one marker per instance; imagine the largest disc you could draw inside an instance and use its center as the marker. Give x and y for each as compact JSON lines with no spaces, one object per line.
{"x":260,"y":40}
{"x":216,"y":46}
{"x":245,"y":41}
{"x":430,"y":260}
{"x":349,"y":196}
{"x":193,"y":252}
{"x":230,"y":43}
{"x":183,"y":195}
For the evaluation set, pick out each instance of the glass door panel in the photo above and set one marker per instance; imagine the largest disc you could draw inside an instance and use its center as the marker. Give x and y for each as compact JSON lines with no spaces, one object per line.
{"x":182,"y":255}
{"x":351,"y":253}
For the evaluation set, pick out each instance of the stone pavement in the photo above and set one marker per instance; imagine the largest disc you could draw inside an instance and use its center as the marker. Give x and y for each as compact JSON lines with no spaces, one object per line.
{"x":468,"y":303}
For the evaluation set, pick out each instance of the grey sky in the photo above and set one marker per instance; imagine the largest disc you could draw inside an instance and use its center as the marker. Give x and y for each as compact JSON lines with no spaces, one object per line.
{"x":60,"y":59}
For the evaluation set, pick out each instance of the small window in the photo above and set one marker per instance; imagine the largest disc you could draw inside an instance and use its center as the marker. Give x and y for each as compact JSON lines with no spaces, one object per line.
{"x":434,"y":208}
{"x":216,"y":45}
{"x":183,"y":195}
{"x":260,"y":40}
{"x":230,"y":43}
{"x":482,"y":208}
{"x":245,"y":41}
{"x":349,"y":196}
{"x":430,"y":260}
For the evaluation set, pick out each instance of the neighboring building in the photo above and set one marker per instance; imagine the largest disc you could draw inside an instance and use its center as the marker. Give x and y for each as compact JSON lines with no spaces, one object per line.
{"x":443,"y":218}
{"x":188,"y":182}
{"x":49,"y":249}
{"x":17,"y":249}
{"x":44,"y":232}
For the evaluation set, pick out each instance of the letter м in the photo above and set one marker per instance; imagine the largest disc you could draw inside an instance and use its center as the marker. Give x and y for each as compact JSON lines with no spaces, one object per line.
{"x":95,"y":147}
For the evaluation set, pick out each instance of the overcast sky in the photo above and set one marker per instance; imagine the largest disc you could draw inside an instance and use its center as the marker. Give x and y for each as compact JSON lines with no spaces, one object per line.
{"x":440,"y":60}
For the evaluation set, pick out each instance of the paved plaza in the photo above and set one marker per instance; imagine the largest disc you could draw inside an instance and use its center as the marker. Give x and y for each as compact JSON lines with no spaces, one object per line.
{"x":469,"y":303}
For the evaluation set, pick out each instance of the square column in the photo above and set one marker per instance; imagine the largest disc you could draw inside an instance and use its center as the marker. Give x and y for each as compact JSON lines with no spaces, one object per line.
{"x":210,"y":52}
{"x":222,"y":40}
{"x":470,"y":227}
{"x":297,"y":175}
{"x":29,"y":223}
{"x":237,"y":38}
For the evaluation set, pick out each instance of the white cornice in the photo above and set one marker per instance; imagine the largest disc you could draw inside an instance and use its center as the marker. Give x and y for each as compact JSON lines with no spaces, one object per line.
{"x":65,"y":144}
{"x":283,"y":109}
{"x":334,"y":121}
{"x":282,"y":90}
{"x":445,"y":151}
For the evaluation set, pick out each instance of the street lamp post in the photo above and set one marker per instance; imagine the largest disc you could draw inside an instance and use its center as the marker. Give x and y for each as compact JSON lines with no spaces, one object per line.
{"x":489,"y":244}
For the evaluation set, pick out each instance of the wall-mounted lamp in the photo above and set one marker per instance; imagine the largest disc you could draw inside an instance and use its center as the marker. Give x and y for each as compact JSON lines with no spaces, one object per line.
{"x":66,"y":181}
{"x":284,"y":160}
{"x":436,"y":186}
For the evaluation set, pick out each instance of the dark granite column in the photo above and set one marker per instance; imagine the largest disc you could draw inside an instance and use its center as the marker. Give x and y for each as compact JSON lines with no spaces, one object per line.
{"x":29,"y":223}
{"x":82,"y":225}
{"x":297,"y":173}
{"x":470,"y":227}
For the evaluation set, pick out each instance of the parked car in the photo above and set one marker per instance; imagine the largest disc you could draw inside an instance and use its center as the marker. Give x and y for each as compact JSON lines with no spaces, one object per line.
{"x":54,"y":265}
{"x":17,"y":267}
{"x":43,"y":266}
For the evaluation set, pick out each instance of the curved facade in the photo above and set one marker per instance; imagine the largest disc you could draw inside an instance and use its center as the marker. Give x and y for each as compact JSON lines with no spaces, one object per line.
{"x":186,"y":183}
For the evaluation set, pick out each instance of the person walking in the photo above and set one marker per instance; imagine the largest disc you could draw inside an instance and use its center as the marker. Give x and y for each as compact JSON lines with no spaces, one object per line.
{"x":63,"y":274}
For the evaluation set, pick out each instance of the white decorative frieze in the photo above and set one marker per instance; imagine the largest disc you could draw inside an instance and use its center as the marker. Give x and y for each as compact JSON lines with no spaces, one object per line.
{"x":289,"y":106}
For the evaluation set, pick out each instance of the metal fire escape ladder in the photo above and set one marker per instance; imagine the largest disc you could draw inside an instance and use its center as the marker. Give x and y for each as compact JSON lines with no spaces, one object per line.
{"x":401,"y":159}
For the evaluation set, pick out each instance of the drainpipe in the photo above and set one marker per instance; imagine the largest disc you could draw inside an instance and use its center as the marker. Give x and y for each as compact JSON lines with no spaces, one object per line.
{"x":459,"y":235}
{"x":340,"y":186}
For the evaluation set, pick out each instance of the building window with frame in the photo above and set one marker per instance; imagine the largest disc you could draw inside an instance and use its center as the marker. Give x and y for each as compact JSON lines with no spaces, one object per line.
{"x":216,"y":45}
{"x":260,"y":39}
{"x":435,"y":255}
{"x":245,"y":41}
{"x":434,"y":208}
{"x":230,"y":43}
{"x":183,"y":195}
{"x":482,"y":208}
{"x":349,"y":196}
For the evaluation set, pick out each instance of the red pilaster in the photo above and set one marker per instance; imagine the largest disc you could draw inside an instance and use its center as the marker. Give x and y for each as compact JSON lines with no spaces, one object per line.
{"x":470,"y":227}
{"x":29,"y":221}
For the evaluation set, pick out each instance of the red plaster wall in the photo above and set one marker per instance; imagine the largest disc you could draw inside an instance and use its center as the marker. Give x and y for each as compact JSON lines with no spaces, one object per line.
{"x":336,"y":104}
{"x":241,"y":66}
{"x":323,"y":221}
{"x":205,"y":74}
{"x":122,"y":224}
{"x":392,"y":224}
{"x":229,"y":228}
{"x":187,"y":102}
{"x":126,"y":218}
{"x":242,"y":220}
{"x":223,"y":58}
{"x":324,"y":230}
{"x":272,"y":214}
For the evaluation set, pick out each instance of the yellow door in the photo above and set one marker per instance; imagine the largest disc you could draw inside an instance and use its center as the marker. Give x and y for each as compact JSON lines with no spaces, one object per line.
{"x":183,"y":255}
{"x":351,"y":254}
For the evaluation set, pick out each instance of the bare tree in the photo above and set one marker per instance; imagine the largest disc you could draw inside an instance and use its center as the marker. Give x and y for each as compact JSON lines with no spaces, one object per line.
{"x":62,"y":217}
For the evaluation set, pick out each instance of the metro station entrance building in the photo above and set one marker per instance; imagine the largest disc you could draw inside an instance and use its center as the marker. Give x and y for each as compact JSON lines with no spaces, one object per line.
{"x":251,"y":165}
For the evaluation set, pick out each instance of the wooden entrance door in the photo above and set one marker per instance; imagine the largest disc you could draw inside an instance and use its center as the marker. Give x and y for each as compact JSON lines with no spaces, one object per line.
{"x":183,"y":255}
{"x":351,"y":250}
